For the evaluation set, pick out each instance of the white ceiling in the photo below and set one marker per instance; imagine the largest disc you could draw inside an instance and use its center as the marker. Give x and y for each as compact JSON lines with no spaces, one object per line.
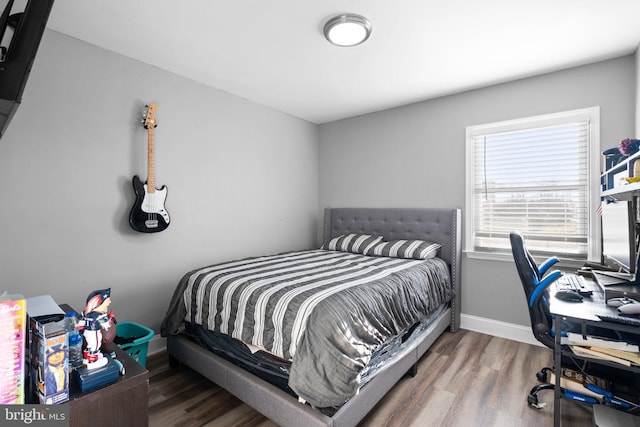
{"x":273,"y":51}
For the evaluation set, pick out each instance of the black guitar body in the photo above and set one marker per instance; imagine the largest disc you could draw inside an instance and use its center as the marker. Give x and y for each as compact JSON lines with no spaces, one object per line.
{"x":148,"y":214}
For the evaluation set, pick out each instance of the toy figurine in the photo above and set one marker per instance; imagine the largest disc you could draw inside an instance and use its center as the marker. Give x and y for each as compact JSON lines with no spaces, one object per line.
{"x":56,"y":370}
{"x":96,"y":317}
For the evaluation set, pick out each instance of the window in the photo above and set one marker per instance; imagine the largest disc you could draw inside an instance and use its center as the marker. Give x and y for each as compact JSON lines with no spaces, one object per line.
{"x":538,"y":175}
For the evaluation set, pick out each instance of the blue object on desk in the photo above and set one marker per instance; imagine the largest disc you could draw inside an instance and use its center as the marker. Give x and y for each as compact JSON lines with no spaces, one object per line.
{"x":119,"y":363}
{"x":90,"y":379}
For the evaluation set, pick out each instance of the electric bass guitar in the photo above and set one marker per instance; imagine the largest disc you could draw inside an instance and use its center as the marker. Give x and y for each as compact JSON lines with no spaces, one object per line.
{"x":148,"y":214}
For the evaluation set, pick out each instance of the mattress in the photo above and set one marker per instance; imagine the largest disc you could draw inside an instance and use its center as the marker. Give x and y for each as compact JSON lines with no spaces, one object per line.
{"x":324,"y":312}
{"x":276,"y":371}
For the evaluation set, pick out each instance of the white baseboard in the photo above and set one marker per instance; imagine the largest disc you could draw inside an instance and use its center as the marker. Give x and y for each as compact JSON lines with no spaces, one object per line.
{"x":498,"y":329}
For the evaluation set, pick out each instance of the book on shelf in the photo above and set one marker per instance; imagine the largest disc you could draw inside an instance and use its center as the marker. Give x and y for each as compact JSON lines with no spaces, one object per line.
{"x":595,"y":354}
{"x":573,"y":338}
{"x":634,"y":358}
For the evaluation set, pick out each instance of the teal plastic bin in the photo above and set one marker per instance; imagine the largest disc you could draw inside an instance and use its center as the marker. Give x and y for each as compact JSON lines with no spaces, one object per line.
{"x":137,"y":348}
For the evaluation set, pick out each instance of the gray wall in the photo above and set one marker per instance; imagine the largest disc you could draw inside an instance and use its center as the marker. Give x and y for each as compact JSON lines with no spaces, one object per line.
{"x":242,"y":180}
{"x":415,"y":156}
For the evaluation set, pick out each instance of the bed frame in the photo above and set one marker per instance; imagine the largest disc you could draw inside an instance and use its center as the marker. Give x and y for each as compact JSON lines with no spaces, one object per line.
{"x":436,"y":225}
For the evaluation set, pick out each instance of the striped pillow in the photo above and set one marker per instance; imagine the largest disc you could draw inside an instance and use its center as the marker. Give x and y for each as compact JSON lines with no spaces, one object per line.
{"x":409,"y":249}
{"x":355,"y":243}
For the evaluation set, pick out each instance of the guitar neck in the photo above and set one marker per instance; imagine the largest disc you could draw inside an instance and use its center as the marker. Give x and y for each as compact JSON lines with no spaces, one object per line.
{"x":151,"y":167}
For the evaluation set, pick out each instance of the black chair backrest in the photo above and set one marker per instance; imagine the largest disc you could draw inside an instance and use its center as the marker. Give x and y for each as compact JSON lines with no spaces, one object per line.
{"x":534,"y":289}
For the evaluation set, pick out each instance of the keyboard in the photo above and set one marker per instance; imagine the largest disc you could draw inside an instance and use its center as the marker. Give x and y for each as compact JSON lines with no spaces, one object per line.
{"x":573,"y":282}
{"x":623,"y":320}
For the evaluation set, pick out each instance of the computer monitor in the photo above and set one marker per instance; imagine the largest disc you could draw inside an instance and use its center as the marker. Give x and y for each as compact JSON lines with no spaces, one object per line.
{"x":619,"y":247}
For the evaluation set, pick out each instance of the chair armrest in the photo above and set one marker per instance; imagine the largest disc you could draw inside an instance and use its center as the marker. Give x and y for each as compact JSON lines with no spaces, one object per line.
{"x":544,"y":284}
{"x":545,"y":265}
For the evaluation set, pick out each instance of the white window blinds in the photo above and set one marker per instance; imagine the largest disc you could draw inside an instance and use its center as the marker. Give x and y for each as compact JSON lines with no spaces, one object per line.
{"x":533,"y":177}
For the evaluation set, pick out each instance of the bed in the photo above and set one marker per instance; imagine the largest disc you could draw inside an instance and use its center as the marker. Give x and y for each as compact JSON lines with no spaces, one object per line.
{"x":371,"y":229}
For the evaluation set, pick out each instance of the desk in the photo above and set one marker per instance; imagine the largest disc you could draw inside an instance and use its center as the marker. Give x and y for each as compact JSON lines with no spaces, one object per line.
{"x":583,"y":314}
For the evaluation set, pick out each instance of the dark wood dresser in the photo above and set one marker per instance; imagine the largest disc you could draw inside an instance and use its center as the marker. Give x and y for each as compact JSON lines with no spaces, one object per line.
{"x":123,"y":403}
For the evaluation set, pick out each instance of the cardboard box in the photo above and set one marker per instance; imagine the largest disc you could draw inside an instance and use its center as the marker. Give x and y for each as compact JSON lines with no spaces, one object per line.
{"x":49,"y":361}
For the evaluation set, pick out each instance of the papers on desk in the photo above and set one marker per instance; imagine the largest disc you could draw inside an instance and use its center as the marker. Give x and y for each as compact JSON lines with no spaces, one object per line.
{"x":573,"y":338}
{"x":602,"y":354}
{"x":604,"y":349}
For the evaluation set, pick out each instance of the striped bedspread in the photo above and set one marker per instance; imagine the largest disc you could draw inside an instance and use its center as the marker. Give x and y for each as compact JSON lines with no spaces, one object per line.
{"x":326,"y":311}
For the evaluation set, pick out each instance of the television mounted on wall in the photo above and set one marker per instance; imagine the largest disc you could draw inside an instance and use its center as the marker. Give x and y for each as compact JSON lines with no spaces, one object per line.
{"x":20,"y":35}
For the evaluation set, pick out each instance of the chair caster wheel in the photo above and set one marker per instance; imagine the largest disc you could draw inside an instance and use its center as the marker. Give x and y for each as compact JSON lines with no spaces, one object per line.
{"x":542,"y":375}
{"x":532,"y":397}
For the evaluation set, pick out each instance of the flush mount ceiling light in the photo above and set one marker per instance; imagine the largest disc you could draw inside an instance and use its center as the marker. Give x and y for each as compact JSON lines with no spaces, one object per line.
{"x":347,"y":30}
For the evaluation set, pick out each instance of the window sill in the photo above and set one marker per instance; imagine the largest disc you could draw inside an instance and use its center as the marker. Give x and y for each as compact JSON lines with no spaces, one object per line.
{"x":564,"y":263}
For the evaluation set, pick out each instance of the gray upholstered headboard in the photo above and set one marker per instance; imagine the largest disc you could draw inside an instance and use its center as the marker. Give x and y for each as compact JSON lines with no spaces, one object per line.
{"x":435,"y":225}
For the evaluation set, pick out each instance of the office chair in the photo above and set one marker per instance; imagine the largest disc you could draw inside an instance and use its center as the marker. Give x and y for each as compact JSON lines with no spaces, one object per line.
{"x":535,"y":281}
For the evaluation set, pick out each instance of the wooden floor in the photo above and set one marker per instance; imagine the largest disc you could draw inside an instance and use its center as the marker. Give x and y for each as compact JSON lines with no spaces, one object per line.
{"x":466,"y":379}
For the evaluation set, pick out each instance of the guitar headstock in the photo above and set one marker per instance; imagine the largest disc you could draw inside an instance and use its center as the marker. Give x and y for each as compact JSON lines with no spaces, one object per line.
{"x":149,"y":116}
